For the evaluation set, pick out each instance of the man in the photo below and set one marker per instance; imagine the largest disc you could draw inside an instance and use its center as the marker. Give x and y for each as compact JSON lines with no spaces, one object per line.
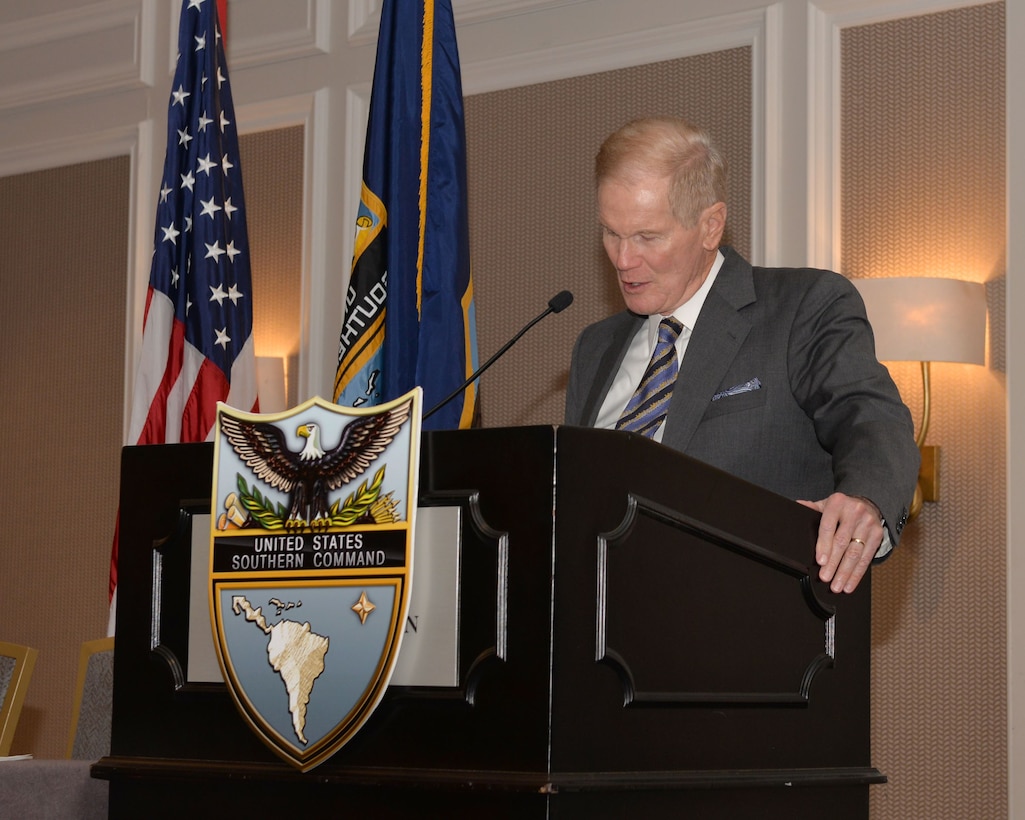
{"x":778,"y":381}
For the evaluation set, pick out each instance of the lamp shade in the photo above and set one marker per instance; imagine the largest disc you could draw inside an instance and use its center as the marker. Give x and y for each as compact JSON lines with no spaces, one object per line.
{"x":923,"y":319}
{"x":270,"y":379}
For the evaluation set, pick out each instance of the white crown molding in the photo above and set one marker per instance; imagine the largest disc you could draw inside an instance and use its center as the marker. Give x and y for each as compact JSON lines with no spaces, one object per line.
{"x":614,"y":52}
{"x":68,"y":150}
{"x":364,"y":20}
{"x":98,"y":48}
{"x":309,"y":37}
{"x":826,"y":21}
{"x":863,"y":12}
{"x":267,"y":115}
{"x":365,"y":15}
{"x":260,"y":33}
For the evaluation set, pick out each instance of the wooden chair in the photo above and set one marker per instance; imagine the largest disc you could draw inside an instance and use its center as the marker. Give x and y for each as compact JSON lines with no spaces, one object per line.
{"x":94,"y":695}
{"x":16,"y":665}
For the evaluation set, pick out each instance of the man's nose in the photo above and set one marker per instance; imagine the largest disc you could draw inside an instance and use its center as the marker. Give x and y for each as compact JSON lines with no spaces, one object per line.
{"x":624,"y":257}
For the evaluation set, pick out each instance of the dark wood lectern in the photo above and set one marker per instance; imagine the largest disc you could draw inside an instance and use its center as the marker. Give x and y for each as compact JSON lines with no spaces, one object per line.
{"x":640,"y":635}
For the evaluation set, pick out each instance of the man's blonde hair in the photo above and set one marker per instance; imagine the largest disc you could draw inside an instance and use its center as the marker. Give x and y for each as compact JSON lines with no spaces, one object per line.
{"x":669,"y":147}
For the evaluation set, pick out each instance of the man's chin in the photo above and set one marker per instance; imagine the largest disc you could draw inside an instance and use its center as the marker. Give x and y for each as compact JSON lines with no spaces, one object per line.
{"x":636,"y":303}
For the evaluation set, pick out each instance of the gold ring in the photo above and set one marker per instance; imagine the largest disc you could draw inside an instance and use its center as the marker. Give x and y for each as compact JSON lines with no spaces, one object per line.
{"x":858,"y":540}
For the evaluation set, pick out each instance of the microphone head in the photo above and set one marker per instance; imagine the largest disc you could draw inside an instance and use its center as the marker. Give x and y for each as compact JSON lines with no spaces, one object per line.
{"x":560,"y":301}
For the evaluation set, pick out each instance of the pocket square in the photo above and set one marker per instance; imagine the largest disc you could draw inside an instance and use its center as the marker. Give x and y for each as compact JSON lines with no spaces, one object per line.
{"x":746,"y":387}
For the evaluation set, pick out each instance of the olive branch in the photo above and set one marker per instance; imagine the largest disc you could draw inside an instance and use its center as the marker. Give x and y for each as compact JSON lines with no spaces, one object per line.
{"x":271,"y":516}
{"x":261,"y":509}
{"x":357,"y":504}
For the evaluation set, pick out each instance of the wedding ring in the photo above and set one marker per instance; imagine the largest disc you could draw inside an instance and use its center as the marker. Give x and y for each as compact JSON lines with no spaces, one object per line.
{"x":858,"y":540}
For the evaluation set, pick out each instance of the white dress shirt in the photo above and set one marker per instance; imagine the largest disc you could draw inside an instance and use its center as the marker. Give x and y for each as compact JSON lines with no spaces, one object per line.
{"x":638,"y":354}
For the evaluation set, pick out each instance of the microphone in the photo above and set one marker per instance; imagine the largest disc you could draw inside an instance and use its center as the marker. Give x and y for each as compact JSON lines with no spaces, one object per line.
{"x":558,"y":303}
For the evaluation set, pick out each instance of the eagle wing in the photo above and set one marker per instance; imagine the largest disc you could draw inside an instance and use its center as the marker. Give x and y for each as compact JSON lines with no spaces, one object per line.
{"x":362,"y":441}
{"x":262,"y":447}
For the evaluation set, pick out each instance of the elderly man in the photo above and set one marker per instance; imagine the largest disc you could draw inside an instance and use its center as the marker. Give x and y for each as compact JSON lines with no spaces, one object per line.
{"x":769,"y":374}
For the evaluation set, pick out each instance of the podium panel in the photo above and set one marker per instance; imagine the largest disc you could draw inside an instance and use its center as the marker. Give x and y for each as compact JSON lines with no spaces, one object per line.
{"x":638,"y":635}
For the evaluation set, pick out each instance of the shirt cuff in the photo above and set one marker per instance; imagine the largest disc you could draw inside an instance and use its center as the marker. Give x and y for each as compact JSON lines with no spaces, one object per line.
{"x":886,"y":546}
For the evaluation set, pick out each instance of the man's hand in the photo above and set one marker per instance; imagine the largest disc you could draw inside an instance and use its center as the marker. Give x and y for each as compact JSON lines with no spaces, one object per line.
{"x":850,"y":533}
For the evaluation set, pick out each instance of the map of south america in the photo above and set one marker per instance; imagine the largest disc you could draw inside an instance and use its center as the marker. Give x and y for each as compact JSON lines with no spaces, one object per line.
{"x":295,"y":652}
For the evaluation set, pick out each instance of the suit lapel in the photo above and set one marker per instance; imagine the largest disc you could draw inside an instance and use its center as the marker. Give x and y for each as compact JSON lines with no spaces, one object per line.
{"x":608,"y":365}
{"x":717,"y":336}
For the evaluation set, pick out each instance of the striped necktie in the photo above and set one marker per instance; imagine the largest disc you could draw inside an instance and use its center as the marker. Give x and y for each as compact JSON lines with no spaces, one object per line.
{"x":647,"y":407}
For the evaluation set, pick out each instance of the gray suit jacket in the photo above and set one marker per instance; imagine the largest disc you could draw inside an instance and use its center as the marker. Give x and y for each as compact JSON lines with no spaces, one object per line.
{"x":825,"y":416}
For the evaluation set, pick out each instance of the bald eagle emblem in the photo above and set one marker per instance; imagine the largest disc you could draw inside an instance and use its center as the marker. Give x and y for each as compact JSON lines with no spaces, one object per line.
{"x":309,"y":475}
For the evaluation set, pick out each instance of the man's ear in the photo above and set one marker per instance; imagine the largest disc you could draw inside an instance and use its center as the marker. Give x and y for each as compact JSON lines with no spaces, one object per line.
{"x":713,"y":222}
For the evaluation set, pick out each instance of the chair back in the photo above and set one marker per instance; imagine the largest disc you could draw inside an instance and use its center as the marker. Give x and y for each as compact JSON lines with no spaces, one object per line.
{"x":94,"y":698}
{"x":16,"y":665}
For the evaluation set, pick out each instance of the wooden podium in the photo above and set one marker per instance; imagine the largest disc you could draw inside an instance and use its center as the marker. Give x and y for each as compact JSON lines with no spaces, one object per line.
{"x":640,"y":635}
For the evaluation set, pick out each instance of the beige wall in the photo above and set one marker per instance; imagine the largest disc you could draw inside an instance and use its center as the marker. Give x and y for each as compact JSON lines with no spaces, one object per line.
{"x":923,"y":170}
{"x":63,"y":243}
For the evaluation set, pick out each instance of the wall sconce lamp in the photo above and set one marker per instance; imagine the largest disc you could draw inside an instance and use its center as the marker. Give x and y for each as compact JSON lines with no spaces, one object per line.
{"x":270,"y":383}
{"x":925,"y":320}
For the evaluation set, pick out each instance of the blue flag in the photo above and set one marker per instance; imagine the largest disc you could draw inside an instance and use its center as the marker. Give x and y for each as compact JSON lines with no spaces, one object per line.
{"x":409,"y":314}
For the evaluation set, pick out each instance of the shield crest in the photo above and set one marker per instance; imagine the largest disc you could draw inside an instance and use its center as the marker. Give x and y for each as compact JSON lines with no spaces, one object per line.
{"x":311,"y":562}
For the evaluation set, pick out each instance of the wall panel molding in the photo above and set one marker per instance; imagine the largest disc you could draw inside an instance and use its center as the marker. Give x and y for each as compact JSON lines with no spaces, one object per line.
{"x":618,"y":51}
{"x":310,"y":112}
{"x":826,"y":19}
{"x":97,"y":48}
{"x":262,"y":32}
{"x":68,"y":150}
{"x":365,"y":15}
{"x":138,"y":143}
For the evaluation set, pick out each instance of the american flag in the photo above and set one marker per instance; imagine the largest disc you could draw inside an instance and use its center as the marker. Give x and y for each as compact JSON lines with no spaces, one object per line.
{"x":197,"y":345}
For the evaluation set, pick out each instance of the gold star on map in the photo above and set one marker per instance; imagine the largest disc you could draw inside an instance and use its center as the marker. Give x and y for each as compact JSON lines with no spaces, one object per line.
{"x":363,"y":607}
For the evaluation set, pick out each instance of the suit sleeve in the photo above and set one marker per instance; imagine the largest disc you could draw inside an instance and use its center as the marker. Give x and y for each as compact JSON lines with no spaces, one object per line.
{"x":853,"y":403}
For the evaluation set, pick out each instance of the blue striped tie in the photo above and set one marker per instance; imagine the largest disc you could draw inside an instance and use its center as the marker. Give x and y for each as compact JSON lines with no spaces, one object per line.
{"x":647,"y":407}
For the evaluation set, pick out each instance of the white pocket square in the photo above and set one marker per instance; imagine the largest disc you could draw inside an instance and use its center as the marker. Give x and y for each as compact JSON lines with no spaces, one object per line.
{"x":746,"y":387}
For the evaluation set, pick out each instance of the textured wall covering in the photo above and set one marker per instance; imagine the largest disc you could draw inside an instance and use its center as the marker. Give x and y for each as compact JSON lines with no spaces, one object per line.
{"x":272,"y":167}
{"x":532,"y":215}
{"x":923,"y":194}
{"x":64,"y":244}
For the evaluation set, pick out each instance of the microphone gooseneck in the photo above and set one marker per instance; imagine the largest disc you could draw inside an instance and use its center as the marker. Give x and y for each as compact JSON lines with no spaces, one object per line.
{"x":558,"y":303}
